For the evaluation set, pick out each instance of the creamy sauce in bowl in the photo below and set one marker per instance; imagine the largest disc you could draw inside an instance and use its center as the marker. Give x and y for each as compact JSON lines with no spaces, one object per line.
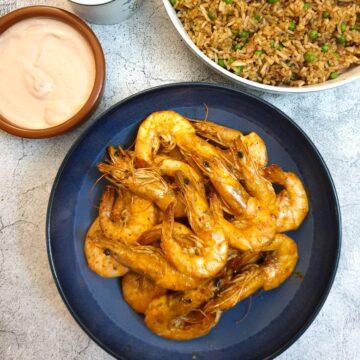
{"x":47,"y":72}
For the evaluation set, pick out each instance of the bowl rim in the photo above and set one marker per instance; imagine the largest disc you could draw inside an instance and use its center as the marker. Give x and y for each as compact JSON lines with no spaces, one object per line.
{"x":94,"y":98}
{"x":73,"y":148}
{"x":329,"y":84}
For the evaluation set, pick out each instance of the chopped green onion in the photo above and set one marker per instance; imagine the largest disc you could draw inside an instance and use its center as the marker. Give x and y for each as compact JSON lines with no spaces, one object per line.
{"x":280,"y":46}
{"x":231,"y":61}
{"x":343,"y":27}
{"x":272,"y":2}
{"x":173,"y":2}
{"x":325,"y":14}
{"x":333,"y":75}
{"x":257,"y":17}
{"x":258,"y":52}
{"x":307,"y":6}
{"x":228,"y":2}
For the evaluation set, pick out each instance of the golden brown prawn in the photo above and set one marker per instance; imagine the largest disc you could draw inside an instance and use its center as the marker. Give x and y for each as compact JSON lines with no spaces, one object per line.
{"x":177,"y":316}
{"x":180,"y":316}
{"x":224,"y":180}
{"x":225,"y":137}
{"x":151,"y":262}
{"x":138,"y":291}
{"x":254,"y":181}
{"x":277,"y":266}
{"x":159,"y":127}
{"x":139,"y":216}
{"x":292,"y":199}
{"x":181,"y":232}
{"x":99,"y":260}
{"x":208,"y":254}
{"x":254,"y":230}
{"x":178,"y":130}
{"x":146,"y":183}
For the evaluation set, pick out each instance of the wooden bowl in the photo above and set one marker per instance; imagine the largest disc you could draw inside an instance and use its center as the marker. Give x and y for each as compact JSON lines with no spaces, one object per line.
{"x":97,"y":91}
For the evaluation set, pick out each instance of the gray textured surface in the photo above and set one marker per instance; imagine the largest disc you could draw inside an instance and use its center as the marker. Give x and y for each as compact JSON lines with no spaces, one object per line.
{"x":141,"y":53}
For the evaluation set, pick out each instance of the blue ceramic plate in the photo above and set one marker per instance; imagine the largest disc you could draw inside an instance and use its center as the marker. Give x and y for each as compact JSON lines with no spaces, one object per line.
{"x":259,"y":328}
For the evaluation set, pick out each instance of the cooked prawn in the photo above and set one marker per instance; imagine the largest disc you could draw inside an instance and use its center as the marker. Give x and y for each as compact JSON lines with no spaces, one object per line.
{"x":139,"y":216}
{"x":99,"y":260}
{"x":254,"y":181}
{"x":280,"y":261}
{"x":181,"y":233}
{"x":138,"y":291}
{"x":254,"y":230}
{"x":226,"y":136}
{"x":177,"y":316}
{"x":180,"y":316}
{"x":151,"y":262}
{"x":208,"y":254}
{"x":158,"y":128}
{"x":277,"y":266}
{"x":178,"y":130}
{"x":146,"y":183}
{"x":292,"y":199}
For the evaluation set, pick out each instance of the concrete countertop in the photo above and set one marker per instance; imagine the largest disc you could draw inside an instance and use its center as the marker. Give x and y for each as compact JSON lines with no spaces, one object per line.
{"x":141,"y":53}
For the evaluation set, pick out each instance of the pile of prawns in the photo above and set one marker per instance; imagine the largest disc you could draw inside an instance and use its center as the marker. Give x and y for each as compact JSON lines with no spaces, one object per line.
{"x":192,"y":223}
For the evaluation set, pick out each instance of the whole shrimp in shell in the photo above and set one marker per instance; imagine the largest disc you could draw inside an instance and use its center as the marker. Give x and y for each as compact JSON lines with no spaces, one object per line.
{"x":177,"y":316}
{"x":176,"y":129}
{"x":136,"y":216}
{"x":279,"y":263}
{"x":292,"y":199}
{"x":192,"y":218}
{"x":143,"y":182}
{"x":253,"y":231}
{"x":149,"y":261}
{"x":99,"y":260}
{"x":139,"y":291}
{"x":193,"y":313}
{"x":226,"y":137}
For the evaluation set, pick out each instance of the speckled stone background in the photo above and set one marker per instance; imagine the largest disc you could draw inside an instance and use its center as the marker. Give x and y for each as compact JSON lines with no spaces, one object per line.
{"x":142,"y":53}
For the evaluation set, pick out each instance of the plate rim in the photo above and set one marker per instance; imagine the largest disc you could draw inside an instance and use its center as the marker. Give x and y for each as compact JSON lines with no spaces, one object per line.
{"x":84,"y":134}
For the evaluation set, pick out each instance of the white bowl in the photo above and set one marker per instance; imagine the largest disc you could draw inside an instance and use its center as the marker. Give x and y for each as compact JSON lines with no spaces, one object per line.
{"x":348,"y":76}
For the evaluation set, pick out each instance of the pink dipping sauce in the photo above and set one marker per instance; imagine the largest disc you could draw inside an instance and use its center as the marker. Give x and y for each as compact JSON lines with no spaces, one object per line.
{"x":47,"y":73}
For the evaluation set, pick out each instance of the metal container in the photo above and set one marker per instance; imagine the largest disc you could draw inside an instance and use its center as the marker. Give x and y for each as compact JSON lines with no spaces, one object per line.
{"x":105,"y":11}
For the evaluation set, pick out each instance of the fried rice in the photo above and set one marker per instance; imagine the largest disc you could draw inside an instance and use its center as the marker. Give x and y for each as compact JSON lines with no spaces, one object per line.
{"x":276,"y":42}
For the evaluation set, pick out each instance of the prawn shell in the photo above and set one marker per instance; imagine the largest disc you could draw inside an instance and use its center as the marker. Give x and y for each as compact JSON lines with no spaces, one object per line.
{"x":138,"y":291}
{"x":102,"y":264}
